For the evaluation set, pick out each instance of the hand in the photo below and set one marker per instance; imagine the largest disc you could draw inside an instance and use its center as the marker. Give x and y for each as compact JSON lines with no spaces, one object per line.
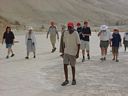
{"x":77,"y":55}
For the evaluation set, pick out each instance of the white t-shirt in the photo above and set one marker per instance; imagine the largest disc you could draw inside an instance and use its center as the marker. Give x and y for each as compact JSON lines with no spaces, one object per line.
{"x":71,"y":43}
{"x":105,"y":36}
{"x":126,"y":36}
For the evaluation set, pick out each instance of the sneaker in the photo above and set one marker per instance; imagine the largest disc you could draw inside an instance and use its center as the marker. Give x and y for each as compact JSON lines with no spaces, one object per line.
{"x":113,"y":59}
{"x":26,"y":57}
{"x":117,"y":60}
{"x":88,"y":57}
{"x":74,"y":82}
{"x":7,"y":57}
{"x":12,"y":55}
{"x":83,"y":60}
{"x":101,"y":59}
{"x":104,"y":58}
{"x":65,"y":83}
{"x":53,"y":50}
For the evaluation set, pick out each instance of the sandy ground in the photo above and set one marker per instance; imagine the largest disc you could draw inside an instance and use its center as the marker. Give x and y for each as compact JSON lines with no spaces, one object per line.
{"x":43,"y":76}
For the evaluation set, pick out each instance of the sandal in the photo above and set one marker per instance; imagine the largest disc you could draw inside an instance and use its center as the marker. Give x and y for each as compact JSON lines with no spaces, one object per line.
{"x":74,"y":82}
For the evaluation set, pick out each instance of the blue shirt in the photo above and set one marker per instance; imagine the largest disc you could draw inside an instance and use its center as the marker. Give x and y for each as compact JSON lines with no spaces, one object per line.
{"x":116,"y":40}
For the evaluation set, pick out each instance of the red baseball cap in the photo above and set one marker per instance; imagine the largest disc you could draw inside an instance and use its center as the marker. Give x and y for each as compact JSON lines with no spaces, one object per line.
{"x":70,"y":24}
{"x":78,"y":24}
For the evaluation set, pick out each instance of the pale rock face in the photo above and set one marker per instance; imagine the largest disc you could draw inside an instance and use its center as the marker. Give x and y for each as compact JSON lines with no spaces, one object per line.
{"x":43,"y":11}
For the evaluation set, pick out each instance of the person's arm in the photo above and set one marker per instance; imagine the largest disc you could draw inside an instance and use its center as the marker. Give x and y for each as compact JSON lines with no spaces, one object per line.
{"x":63,"y":43}
{"x":123,"y":40}
{"x":3,"y":39}
{"x":48,"y":32}
{"x":78,"y":45}
{"x":99,"y":33}
{"x":13,"y":37}
{"x":120,"y":40}
{"x":110,"y":40}
{"x":57,"y":33}
{"x":77,"y":55}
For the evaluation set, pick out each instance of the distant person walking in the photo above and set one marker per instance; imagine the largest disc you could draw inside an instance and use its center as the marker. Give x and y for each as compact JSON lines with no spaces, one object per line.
{"x":125,"y":40}
{"x":71,"y":52}
{"x":53,"y":33}
{"x":105,"y":37}
{"x":115,"y":44}
{"x":85,"y":39}
{"x":30,"y":41}
{"x":79,"y":30}
{"x":62,"y":40}
{"x":8,"y":38}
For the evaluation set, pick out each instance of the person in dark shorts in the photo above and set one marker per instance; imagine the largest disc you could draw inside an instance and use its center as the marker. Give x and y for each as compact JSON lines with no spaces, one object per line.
{"x":8,"y":38}
{"x":115,"y":44}
{"x":105,"y":37}
{"x":85,"y":39}
{"x":125,"y":40}
{"x":71,"y":52}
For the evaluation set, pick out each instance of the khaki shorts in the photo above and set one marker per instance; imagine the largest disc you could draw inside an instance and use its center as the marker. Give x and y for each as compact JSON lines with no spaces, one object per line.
{"x":104,"y":44}
{"x":85,"y":45}
{"x":115,"y":49}
{"x":69,"y":59}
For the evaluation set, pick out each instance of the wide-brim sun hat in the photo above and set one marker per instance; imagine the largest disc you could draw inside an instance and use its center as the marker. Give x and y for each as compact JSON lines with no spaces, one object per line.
{"x":30,"y":28}
{"x":103,"y":27}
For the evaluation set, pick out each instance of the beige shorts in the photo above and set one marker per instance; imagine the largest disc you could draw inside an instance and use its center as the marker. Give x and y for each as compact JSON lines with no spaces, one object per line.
{"x":85,"y":45}
{"x":69,"y":59}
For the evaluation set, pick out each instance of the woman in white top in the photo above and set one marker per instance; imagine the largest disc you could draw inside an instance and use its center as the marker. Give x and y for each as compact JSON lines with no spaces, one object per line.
{"x":30,"y":41}
{"x":105,"y":37}
{"x":125,"y":41}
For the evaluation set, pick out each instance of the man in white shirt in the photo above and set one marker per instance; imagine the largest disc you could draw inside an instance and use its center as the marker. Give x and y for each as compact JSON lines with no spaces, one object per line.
{"x":71,"y":52}
{"x":105,"y":37}
{"x":125,"y":41}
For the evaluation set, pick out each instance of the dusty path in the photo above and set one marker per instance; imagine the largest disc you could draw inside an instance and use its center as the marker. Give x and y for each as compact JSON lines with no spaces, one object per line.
{"x":42,"y":76}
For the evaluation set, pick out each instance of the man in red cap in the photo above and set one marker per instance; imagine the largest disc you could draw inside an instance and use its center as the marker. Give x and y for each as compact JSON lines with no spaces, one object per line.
{"x":53,"y":33}
{"x":71,"y":51}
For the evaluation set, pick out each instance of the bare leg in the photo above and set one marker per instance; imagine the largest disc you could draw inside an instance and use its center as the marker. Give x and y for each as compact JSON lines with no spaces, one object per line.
{"x":88,"y":54}
{"x":73,"y":73}
{"x":34,"y":53}
{"x":66,"y":71}
{"x":11,"y":51}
